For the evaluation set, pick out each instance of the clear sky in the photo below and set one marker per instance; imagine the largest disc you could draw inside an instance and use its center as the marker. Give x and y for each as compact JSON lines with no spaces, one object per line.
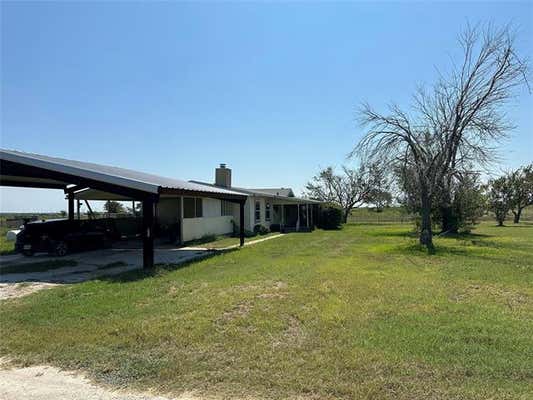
{"x":270,"y":89}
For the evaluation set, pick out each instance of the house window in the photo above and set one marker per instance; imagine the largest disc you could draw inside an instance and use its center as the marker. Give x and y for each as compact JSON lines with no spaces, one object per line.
{"x":192,"y":207}
{"x":226,"y":208}
{"x":267,"y":211}
{"x":257,"y":211}
{"x":199,"y":208}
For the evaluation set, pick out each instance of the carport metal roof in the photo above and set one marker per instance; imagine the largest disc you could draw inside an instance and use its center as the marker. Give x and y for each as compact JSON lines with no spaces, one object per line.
{"x":35,"y":170}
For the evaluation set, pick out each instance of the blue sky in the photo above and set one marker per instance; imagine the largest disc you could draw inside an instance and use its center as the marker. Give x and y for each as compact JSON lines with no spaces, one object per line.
{"x":269,"y":88}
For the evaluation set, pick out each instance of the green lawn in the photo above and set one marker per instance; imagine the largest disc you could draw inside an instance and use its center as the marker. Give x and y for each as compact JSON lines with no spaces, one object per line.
{"x":222,"y":241}
{"x":361,"y":313}
{"x":5,"y":246}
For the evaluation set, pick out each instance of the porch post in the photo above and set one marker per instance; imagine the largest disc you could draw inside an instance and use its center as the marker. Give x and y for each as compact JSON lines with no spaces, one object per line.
{"x":298,"y":220}
{"x":241,"y":222}
{"x":78,"y":206}
{"x":181,"y":220}
{"x":148,"y":233}
{"x":307,"y":214}
{"x":70,"y":198}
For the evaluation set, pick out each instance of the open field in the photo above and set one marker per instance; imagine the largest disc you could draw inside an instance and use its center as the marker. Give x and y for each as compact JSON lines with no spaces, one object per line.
{"x":394,"y":215}
{"x":358,"y":313}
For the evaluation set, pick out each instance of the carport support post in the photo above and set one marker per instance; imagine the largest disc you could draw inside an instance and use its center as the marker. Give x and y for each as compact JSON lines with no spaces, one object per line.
{"x":241,"y":222}
{"x":70,"y":198}
{"x":148,"y":233}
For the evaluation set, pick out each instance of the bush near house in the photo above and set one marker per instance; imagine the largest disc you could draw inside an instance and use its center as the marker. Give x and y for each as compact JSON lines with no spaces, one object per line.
{"x":275,"y":228}
{"x":261,"y":229}
{"x":330,"y":217}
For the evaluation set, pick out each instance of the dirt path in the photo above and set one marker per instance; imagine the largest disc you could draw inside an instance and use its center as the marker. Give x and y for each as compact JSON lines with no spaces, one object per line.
{"x":12,"y":290}
{"x":45,"y":383}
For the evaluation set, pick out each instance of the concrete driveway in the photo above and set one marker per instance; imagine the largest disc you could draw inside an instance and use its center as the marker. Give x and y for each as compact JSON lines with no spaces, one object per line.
{"x":90,"y":265}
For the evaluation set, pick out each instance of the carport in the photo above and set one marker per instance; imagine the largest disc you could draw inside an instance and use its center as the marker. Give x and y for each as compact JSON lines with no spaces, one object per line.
{"x":21,"y":169}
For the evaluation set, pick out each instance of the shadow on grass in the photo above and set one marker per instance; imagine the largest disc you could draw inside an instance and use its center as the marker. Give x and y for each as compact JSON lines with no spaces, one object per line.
{"x":418,"y":249}
{"x":37,"y":266}
{"x":160,"y":269}
{"x":405,"y":234}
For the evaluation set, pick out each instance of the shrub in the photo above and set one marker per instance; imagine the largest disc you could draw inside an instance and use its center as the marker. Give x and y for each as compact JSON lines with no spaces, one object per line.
{"x":275,"y":228}
{"x":260,"y":229}
{"x":330,"y":217}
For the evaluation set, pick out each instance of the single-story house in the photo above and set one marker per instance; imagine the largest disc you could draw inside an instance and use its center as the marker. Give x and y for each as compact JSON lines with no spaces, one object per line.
{"x":188,"y":209}
{"x":192,"y":217}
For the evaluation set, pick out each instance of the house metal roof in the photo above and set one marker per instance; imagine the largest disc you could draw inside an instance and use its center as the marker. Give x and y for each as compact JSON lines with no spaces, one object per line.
{"x":257,"y":192}
{"x":109,"y":174}
{"x":287,"y":192}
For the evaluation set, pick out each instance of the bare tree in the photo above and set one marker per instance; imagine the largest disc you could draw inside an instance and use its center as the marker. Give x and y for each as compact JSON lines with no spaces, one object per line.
{"x":452,"y":126}
{"x":348,"y":190}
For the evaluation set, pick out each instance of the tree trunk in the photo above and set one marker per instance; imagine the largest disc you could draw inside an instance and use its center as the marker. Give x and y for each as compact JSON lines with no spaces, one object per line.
{"x":517,"y":215}
{"x":345,"y":215}
{"x":449,"y":220}
{"x":426,"y":234}
{"x":500,"y":217}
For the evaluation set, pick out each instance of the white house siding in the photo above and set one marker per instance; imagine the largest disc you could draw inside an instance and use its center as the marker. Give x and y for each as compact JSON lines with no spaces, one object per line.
{"x":195,"y":228}
{"x":250,"y":221}
{"x":211,"y":223}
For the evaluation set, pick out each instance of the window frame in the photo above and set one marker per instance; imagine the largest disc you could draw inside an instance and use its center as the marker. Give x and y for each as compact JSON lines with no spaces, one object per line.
{"x":268,"y":211}
{"x":197,"y":209}
{"x":226,"y":208}
{"x":257,"y":211}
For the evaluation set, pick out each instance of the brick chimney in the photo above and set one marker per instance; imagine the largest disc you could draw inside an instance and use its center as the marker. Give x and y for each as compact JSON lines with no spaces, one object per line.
{"x":223,"y":176}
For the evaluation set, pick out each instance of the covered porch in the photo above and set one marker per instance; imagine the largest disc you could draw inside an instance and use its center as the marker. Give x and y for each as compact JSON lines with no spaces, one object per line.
{"x":295,"y":216}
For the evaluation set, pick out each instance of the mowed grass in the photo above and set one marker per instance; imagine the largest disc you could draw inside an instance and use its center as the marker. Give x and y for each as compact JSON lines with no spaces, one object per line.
{"x":360,"y":313}
{"x":6,"y":247}
{"x":222,"y":241}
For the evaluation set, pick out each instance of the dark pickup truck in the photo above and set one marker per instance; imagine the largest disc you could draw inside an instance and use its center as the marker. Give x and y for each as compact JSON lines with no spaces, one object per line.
{"x":61,"y":236}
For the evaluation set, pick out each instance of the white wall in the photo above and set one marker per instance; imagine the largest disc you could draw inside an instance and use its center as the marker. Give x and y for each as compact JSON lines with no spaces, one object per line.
{"x":250,"y":212}
{"x":195,"y":228}
{"x":212,"y":223}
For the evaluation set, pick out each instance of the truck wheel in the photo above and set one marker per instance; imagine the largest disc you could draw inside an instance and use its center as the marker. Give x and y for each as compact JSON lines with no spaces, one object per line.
{"x":61,"y":248}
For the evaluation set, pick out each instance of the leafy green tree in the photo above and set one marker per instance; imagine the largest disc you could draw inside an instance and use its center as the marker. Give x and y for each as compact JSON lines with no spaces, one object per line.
{"x":521,"y":182}
{"x":467,"y":203}
{"x":113,"y":207}
{"x":499,"y":194}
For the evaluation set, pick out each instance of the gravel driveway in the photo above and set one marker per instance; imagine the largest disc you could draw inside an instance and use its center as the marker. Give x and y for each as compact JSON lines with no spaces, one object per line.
{"x":47,"y":383}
